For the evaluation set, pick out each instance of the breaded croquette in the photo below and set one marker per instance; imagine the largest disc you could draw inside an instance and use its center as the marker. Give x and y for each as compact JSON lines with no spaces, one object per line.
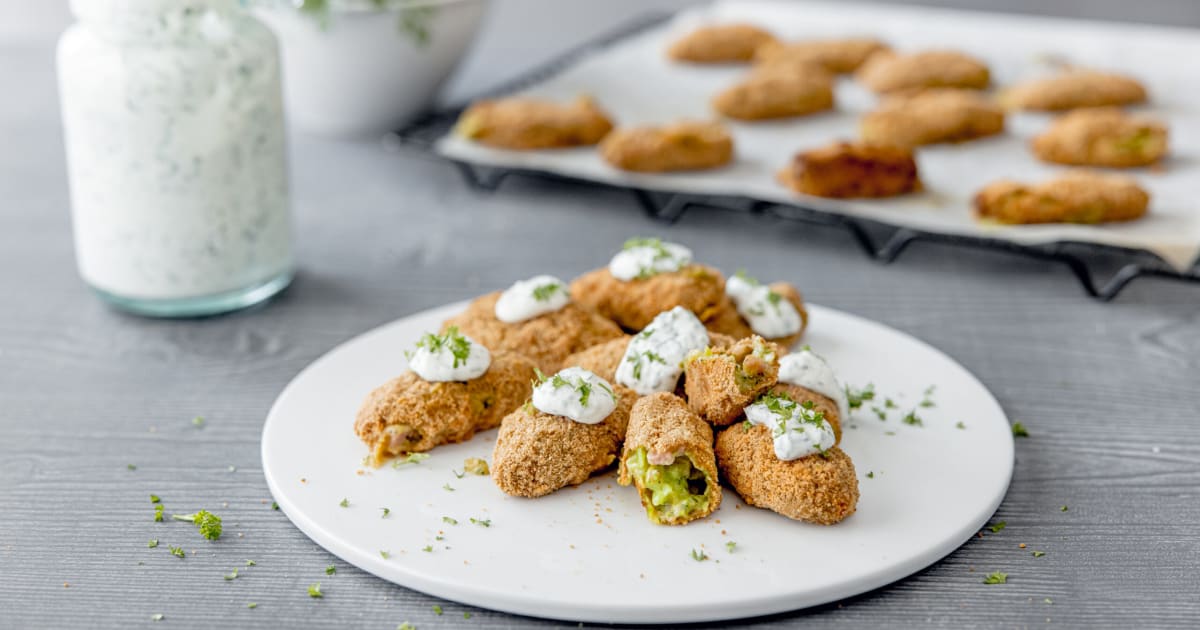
{"x":1075,"y":197}
{"x":888,"y":72}
{"x":1074,"y":89}
{"x":756,"y":305}
{"x":668,"y":455}
{"x":527,"y":124}
{"x":846,"y":170}
{"x":932,"y":116}
{"x":838,"y":56}
{"x":537,"y":453}
{"x":724,"y":43}
{"x":1102,"y":136}
{"x":546,"y":339}
{"x":601,"y":359}
{"x":683,"y":146}
{"x":408,"y":414}
{"x":821,"y":489}
{"x":720,"y":383}
{"x":779,"y":90}
{"x":634,"y":303}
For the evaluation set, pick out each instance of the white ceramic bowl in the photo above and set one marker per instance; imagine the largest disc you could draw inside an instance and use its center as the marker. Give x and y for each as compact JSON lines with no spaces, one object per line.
{"x":363,"y":70}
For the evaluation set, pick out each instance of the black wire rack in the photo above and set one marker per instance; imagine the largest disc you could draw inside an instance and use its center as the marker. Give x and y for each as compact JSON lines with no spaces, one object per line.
{"x":880,"y":241}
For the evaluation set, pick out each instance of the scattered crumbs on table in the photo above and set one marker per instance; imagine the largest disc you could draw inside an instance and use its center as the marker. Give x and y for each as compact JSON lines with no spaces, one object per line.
{"x":437,"y":610}
{"x":1019,"y":430}
{"x":476,"y":466}
{"x":198,"y":422}
{"x":1038,"y":554}
{"x":330,"y":570}
{"x":1021,"y":546}
{"x":314,"y":591}
{"x":996,"y":577}
{"x":998,"y":526}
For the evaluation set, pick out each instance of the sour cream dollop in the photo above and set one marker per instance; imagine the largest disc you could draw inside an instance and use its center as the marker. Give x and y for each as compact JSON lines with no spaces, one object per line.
{"x":797,"y":432}
{"x":768,"y":313}
{"x":810,"y":371}
{"x":645,"y":257}
{"x":449,"y":357}
{"x":576,"y":394}
{"x":654,"y":358}
{"x":527,"y":299}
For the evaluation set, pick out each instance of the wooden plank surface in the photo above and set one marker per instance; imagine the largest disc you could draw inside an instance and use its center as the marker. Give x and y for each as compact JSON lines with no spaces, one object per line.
{"x":1110,"y":393}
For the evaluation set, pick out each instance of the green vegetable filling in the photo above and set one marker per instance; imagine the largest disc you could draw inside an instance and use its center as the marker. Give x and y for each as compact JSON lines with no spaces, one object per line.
{"x":674,"y":491}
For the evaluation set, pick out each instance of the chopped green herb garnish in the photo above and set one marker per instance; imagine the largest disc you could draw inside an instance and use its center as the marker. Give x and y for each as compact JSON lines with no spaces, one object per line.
{"x":856,"y":397}
{"x":157,"y":617}
{"x":314,"y":590}
{"x":1038,"y":554}
{"x":427,"y":548}
{"x":439,"y":537}
{"x":447,"y":487}
{"x":208,"y":523}
{"x":960,"y":425}
{"x":730,"y":546}
{"x":998,"y":526}
{"x":158,"y":513}
{"x":1019,"y":430}
{"x":452,"y":341}
{"x":385,"y":554}
{"x":911,"y":418}
{"x":252,"y":605}
{"x":345,"y":503}
{"x":437,"y":610}
{"x":890,"y":404}
{"x":198,"y":422}
{"x":177,"y":552}
{"x":153,"y":543}
{"x":386,"y":512}
{"x":699,"y":555}
{"x":1048,"y":600}
{"x":466,"y":615}
{"x":880,"y":412}
{"x":406,"y":626}
{"x":331,"y":569}
{"x":251,"y":563}
{"x":871,"y":475}
{"x":131,"y":466}
{"x":447,"y":519}
{"x":475,"y":466}
{"x":232,"y":576}
{"x":154,"y":498}
{"x":411,"y":458}
{"x":996,"y":578}
{"x":275,"y":506}
{"x":543,"y":292}
{"x":482,"y":522}
{"x":1064,"y":508}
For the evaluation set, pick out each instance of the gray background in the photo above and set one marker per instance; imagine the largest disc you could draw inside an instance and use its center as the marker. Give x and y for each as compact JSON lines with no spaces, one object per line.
{"x":1109,"y":392}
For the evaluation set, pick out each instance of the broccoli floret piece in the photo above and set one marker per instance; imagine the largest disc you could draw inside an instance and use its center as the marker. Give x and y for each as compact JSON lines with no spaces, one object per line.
{"x":208,"y":523}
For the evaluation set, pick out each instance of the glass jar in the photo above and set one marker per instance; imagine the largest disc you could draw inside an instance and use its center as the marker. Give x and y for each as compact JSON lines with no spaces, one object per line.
{"x":176,"y":155}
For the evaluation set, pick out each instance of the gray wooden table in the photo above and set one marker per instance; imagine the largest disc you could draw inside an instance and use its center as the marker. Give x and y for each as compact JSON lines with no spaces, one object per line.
{"x":1109,"y":393}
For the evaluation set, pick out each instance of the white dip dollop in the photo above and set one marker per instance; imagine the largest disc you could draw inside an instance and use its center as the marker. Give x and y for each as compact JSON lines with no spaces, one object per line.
{"x":798,"y":430}
{"x":768,"y":313}
{"x":449,"y":357}
{"x":654,"y":358}
{"x":645,"y":257}
{"x":810,"y":371}
{"x":527,"y":299}
{"x":577,"y":394}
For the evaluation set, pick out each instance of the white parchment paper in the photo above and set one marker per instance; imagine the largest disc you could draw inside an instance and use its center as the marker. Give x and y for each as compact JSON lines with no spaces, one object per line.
{"x":636,"y":84}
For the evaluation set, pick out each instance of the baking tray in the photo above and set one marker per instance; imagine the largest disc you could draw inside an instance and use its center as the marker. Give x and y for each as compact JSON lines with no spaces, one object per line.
{"x":1089,"y":262}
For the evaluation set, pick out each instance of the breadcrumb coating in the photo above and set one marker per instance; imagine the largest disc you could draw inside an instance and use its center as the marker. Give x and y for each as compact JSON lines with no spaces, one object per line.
{"x":663,"y":425}
{"x":683,"y":146}
{"x":1102,"y":136}
{"x":724,"y":43}
{"x":777,"y":90}
{"x":527,"y":124}
{"x":839,"y":56}
{"x":932,"y":116}
{"x":1074,"y":197}
{"x":408,"y":414}
{"x":601,"y":359}
{"x":546,"y":339}
{"x":1074,"y":89}
{"x":845,"y":170}
{"x":889,"y":72}
{"x":537,"y":453}
{"x":720,"y":383}
{"x":821,"y":489}
{"x":634,"y":303}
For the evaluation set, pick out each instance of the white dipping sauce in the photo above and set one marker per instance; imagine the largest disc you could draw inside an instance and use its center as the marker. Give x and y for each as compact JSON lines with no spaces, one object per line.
{"x":796,"y":431}
{"x":449,"y":357}
{"x":527,"y":299}
{"x":768,"y":313}
{"x":577,"y":394}
{"x":645,"y":257}
{"x":810,"y":371}
{"x":653,"y":360}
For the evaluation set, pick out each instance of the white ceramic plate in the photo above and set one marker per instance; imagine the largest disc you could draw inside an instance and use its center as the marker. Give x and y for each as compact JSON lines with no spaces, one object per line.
{"x":588,"y":553}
